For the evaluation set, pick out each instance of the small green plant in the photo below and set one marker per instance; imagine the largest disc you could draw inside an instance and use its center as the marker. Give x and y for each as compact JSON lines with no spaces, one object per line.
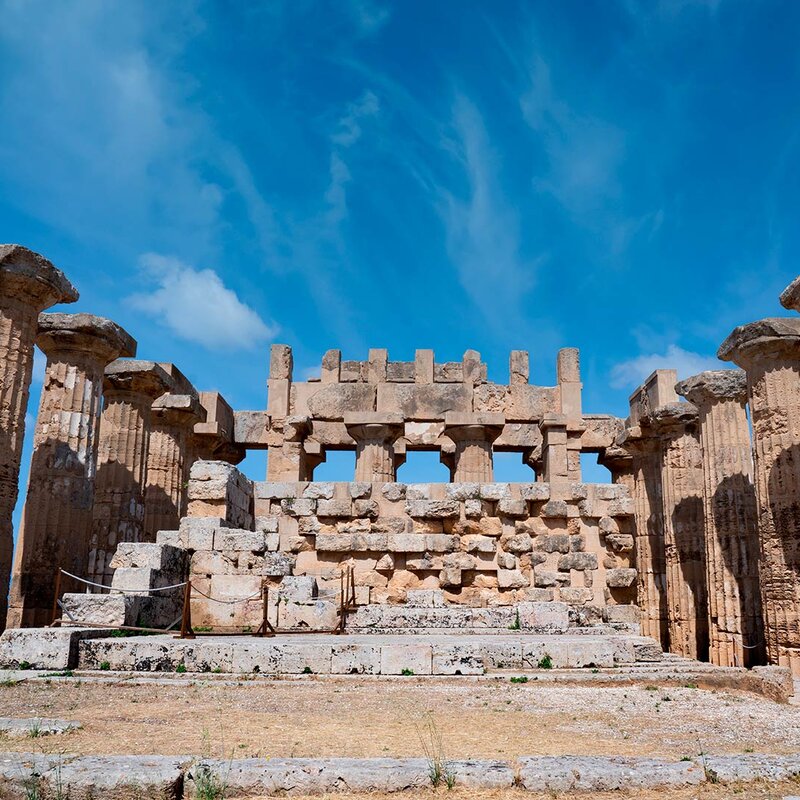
{"x":65,"y":673}
{"x":32,"y":786}
{"x":685,"y":758}
{"x":519,"y":679}
{"x":207,"y":784}
{"x":690,"y":686}
{"x":651,"y":688}
{"x":7,"y":683}
{"x":406,"y":671}
{"x":515,"y":625}
{"x":203,"y":628}
{"x":25,"y":665}
{"x":595,"y":671}
{"x":439,"y":769}
{"x":217,"y":670}
{"x":711,"y":774}
{"x":35,"y":730}
{"x":181,"y":668}
{"x":545,"y":662}
{"x":307,"y":670}
{"x":105,"y":665}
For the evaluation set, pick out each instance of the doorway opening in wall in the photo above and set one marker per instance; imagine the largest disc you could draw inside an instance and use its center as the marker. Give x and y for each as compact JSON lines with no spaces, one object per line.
{"x":591,"y":471}
{"x":339,"y":465}
{"x":254,"y":465}
{"x":510,"y":468}
{"x":423,"y":466}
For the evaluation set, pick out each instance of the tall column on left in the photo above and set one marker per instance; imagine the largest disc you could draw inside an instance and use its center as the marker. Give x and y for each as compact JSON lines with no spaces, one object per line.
{"x":29,"y":283}
{"x":57,"y":518}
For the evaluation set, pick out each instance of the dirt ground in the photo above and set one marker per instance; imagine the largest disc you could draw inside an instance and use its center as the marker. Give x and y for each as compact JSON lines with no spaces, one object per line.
{"x":363,"y":718}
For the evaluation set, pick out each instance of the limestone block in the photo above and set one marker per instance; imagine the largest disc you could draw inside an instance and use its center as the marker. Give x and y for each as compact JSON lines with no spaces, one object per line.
{"x":355,"y":659}
{"x":545,"y":578}
{"x":748,"y":767}
{"x":511,"y":579}
{"x":168,"y":537}
{"x":425,"y":598}
{"x":272,"y":541}
{"x":450,"y":576}
{"x":232,"y":539}
{"x":538,"y":492}
{"x":578,"y":491}
{"x":366,"y":508}
{"x":459,"y":560}
{"x":577,"y":595}
{"x":620,"y":578}
{"x":44,"y":648}
{"x":267,"y":524}
{"x":334,"y":542}
{"x":463,"y":491}
{"x":319,"y":491}
{"x":385,"y":562}
{"x":418,"y":491}
{"x":277,"y":564}
{"x":370,"y":542}
{"x":619,"y":542}
{"x":269,"y":490}
{"x":406,"y":543}
{"x":197,"y":533}
{"x":100,"y":609}
{"x":144,"y":554}
{"x":299,"y":507}
{"x":334,"y":508}
{"x":358,"y":490}
{"x":134,"y":579}
{"x":577,"y":561}
{"x":213,"y":562}
{"x":494,"y":491}
{"x":621,"y":508}
{"x":433,"y":509}
{"x":506,"y":560}
{"x":441,"y":542}
{"x":621,"y":613}
{"x":298,"y":589}
{"x":543,"y":617}
{"x":334,"y":400}
{"x":473,"y":509}
{"x":424,"y":401}
{"x":557,"y":774}
{"x":320,"y":615}
{"x":553,"y":543}
{"x":457,"y":659}
{"x":555,"y":508}
{"x":608,"y":525}
{"x":477,"y":543}
{"x":518,"y":544}
{"x":391,"y":524}
{"x":414,"y":658}
{"x":510,"y":507}
{"x":394,"y":491}
{"x":609,"y":491}
{"x":280,"y":658}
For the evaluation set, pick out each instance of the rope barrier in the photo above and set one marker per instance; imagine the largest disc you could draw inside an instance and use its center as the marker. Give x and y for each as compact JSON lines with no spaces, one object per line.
{"x":123,"y":591}
{"x":227,"y":602}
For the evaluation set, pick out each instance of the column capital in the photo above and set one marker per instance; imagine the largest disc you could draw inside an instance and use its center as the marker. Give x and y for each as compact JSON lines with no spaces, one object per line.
{"x":131,"y":376}
{"x":84,"y":333}
{"x":477,"y":425}
{"x":181,"y":410}
{"x":30,"y":277}
{"x":771,"y":339}
{"x":790,"y":296}
{"x":616,"y":459}
{"x":374,"y":426}
{"x":674,"y":419}
{"x":713,"y":386}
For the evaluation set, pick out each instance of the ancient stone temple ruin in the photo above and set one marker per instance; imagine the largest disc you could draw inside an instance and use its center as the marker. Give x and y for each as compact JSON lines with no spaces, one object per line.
{"x":136,"y":514}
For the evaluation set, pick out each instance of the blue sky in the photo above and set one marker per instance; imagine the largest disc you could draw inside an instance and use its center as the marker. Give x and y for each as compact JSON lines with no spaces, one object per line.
{"x":617,"y":176}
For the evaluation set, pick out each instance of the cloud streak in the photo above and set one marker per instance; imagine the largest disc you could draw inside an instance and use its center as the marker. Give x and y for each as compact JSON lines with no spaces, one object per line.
{"x":629,"y":374}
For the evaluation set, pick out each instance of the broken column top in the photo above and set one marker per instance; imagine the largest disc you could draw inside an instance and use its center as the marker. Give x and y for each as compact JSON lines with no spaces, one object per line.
{"x":141,"y":377}
{"x":33,"y":278}
{"x":790,"y":296}
{"x":179,"y":383}
{"x":657,"y":390}
{"x":674,"y":418}
{"x":771,"y":338}
{"x":713,"y":385}
{"x":85,"y":333}
{"x":182,"y":409}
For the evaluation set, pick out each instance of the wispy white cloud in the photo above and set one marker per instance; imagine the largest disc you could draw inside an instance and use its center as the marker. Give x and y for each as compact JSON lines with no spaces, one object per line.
{"x":197,"y":306}
{"x":482,"y":227}
{"x":630,"y":373}
{"x":369,"y":16}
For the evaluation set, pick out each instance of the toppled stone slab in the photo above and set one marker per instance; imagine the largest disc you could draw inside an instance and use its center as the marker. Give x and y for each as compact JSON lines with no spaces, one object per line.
{"x":751,"y":767}
{"x":44,"y":648}
{"x":36,"y":727}
{"x":596,"y":774}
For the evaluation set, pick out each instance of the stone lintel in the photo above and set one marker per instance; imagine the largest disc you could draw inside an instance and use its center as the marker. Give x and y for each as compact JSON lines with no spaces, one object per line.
{"x":711,"y":386}
{"x":180,"y":384}
{"x":137,"y":377}
{"x":774,"y":338}
{"x":373,"y":418}
{"x":790,"y":296}
{"x":33,"y":278}
{"x":59,"y":332}
{"x":296,"y":427}
{"x":179,"y":409}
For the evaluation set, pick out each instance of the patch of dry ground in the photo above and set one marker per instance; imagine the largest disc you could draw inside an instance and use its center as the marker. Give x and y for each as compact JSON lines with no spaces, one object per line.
{"x":363,"y":718}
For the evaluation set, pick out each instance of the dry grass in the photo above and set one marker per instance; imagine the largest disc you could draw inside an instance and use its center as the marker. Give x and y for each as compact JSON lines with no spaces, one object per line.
{"x":366,"y":718}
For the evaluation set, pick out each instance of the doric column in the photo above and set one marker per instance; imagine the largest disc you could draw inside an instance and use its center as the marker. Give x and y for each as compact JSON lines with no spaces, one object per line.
{"x":648,"y":515}
{"x":684,"y":528}
{"x":129,"y":389}
{"x":734,"y":602}
{"x":473,"y":436}
{"x":168,"y":461}
{"x":769,"y":351}
{"x":29,"y":283}
{"x":57,"y":518}
{"x":554,"y":467}
{"x":375,"y":435}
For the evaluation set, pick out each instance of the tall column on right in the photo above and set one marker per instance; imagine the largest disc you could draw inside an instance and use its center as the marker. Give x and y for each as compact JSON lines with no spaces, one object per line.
{"x":29,"y":283}
{"x":734,"y":603}
{"x":769,"y":352}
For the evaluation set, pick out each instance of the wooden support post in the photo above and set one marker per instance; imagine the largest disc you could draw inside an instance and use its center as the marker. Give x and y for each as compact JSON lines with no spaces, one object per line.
{"x":186,"y":619}
{"x":56,"y":597}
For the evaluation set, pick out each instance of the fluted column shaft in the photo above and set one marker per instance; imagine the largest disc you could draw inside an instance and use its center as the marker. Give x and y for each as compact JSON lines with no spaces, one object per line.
{"x":375,"y":435}
{"x":57,"y":517}
{"x":732,"y":548}
{"x":684,"y":531}
{"x":769,"y":352}
{"x":28,"y":284}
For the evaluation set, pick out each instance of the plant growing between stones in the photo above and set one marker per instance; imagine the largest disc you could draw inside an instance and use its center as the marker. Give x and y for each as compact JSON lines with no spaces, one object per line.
{"x":545,"y":662}
{"x":181,"y":668}
{"x":208,"y":785}
{"x":406,"y":671}
{"x":35,"y":730}
{"x":515,"y":625}
{"x":519,"y":679}
{"x":439,"y":769}
{"x":105,"y":666}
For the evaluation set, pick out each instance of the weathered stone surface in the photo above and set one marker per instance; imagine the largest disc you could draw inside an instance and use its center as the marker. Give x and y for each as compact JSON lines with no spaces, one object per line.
{"x":44,"y":648}
{"x":620,"y":578}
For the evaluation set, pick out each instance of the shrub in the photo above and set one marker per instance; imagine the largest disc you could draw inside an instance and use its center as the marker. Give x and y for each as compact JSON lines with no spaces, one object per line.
{"x":545,"y":662}
{"x":104,"y":665}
